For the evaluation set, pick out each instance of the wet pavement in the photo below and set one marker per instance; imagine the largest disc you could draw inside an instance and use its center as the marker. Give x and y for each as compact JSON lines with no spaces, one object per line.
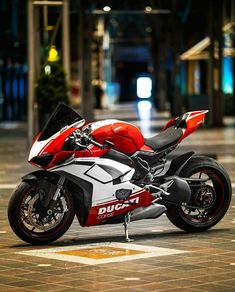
{"x":182,"y":261}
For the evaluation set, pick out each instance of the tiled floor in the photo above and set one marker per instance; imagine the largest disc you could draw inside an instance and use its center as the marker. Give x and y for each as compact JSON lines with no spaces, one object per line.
{"x":207,"y":261}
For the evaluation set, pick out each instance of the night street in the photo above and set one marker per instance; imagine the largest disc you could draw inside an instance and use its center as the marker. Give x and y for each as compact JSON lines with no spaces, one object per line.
{"x":206,"y":264}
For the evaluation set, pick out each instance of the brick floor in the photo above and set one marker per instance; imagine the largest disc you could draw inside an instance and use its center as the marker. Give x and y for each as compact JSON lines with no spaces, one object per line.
{"x":208,"y":265}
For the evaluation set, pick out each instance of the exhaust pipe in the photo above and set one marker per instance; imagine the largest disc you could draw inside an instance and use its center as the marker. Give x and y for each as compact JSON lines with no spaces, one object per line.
{"x":150,"y":212}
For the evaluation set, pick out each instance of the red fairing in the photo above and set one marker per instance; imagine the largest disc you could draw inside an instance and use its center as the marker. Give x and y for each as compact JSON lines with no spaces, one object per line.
{"x":193,"y":121}
{"x":126,"y":138}
{"x":35,"y":139}
{"x":101,"y":213}
{"x":54,"y":147}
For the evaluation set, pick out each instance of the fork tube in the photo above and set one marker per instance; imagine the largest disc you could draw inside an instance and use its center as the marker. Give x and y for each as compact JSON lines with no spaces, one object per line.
{"x":59,"y":187}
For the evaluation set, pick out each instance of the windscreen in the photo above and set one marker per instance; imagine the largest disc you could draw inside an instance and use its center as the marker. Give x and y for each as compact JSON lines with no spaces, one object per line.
{"x":61,"y":117}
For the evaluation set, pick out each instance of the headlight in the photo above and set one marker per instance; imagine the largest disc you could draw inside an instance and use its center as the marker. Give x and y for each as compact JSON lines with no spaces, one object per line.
{"x":42,"y":160}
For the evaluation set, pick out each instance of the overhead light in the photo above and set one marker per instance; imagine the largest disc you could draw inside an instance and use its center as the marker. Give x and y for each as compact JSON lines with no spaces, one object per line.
{"x":107,"y":8}
{"x":144,"y":87}
{"x":148,"y":9}
{"x":47,"y":69}
{"x":53,"y":55}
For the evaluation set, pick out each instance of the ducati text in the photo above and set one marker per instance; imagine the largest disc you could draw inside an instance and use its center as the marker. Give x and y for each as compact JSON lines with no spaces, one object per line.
{"x":116,"y":207}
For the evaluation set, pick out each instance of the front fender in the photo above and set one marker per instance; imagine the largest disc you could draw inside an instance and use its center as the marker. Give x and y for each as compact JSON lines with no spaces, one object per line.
{"x":41,"y":175}
{"x":80,"y":189}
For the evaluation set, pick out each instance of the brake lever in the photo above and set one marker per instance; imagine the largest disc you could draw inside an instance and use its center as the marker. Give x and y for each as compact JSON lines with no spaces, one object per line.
{"x":101,"y":146}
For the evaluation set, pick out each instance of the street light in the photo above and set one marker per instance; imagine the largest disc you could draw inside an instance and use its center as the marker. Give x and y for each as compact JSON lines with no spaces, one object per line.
{"x":148,"y":9}
{"x":107,"y":8}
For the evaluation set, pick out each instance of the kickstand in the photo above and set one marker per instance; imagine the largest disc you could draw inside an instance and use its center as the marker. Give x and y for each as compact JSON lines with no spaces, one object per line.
{"x":126,"y":221}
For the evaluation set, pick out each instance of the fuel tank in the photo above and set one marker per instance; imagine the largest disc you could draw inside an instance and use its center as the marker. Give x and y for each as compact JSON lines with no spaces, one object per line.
{"x":126,"y":137}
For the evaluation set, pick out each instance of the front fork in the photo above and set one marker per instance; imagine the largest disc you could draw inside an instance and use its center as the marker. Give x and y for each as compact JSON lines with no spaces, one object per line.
{"x":53,"y":201}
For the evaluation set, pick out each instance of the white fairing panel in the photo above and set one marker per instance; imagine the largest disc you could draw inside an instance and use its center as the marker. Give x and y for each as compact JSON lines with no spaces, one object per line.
{"x":38,"y":147}
{"x":96,"y":172}
{"x":101,"y":175}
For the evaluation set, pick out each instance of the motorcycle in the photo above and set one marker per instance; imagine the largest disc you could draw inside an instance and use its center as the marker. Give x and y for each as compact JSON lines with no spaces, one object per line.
{"x":105,"y":172}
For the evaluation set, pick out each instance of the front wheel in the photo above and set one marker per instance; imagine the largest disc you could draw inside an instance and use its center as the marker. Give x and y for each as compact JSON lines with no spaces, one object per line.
{"x":32,"y":222}
{"x":209,"y":201}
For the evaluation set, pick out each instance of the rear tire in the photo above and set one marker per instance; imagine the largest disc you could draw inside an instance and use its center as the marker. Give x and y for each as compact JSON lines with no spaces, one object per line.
{"x":23,"y":224}
{"x":182,"y":217}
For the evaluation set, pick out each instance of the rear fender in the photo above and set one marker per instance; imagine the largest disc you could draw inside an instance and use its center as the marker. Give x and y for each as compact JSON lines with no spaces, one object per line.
{"x":177,"y":164}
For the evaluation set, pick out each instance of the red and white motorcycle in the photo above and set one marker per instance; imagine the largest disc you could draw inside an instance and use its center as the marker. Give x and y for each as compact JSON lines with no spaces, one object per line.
{"x":106,"y":172}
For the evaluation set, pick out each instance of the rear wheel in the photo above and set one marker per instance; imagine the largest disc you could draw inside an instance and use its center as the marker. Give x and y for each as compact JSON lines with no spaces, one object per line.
{"x":32,"y":222}
{"x":209,"y":202}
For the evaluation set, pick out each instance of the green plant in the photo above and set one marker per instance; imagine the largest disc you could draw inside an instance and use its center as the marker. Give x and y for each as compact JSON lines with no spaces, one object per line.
{"x":51,"y":87}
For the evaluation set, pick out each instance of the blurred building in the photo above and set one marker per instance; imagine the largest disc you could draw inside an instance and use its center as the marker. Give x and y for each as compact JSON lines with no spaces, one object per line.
{"x":13,"y":60}
{"x":184,"y":47}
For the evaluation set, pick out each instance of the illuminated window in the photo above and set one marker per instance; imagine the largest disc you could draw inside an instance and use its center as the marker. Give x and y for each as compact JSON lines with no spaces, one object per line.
{"x":144,"y":87}
{"x":228,"y":75}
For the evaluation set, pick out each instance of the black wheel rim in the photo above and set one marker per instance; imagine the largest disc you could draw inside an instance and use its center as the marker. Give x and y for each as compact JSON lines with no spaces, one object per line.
{"x":31,"y":229}
{"x":204,"y":216}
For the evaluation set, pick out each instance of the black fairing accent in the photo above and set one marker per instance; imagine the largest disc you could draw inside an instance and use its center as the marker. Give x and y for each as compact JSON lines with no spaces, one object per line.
{"x":123,"y":194}
{"x":164,"y":139}
{"x":115,"y":173}
{"x":81,"y":191}
{"x":42,"y":160}
{"x":150,"y":157}
{"x":41,"y":174}
{"x":69,"y":145}
{"x":61,"y":161}
{"x":119,"y":157}
{"x":141,"y":168}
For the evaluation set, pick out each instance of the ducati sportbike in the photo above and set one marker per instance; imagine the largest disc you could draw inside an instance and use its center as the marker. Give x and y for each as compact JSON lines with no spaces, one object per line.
{"x":106,"y":172}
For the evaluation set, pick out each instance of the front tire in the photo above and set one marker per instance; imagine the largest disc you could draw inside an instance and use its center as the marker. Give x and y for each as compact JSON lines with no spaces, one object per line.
{"x":212,"y":204}
{"x":29,"y":220}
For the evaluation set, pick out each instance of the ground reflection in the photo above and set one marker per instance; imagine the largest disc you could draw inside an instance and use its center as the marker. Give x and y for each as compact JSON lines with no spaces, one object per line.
{"x":145,"y":113}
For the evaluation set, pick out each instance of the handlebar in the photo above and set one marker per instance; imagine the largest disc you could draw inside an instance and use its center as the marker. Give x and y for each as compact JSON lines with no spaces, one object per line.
{"x":95,"y":143}
{"x":79,"y":136}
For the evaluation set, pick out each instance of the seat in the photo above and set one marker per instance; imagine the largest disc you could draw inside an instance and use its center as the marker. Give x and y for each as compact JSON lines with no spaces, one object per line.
{"x":164,"y":139}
